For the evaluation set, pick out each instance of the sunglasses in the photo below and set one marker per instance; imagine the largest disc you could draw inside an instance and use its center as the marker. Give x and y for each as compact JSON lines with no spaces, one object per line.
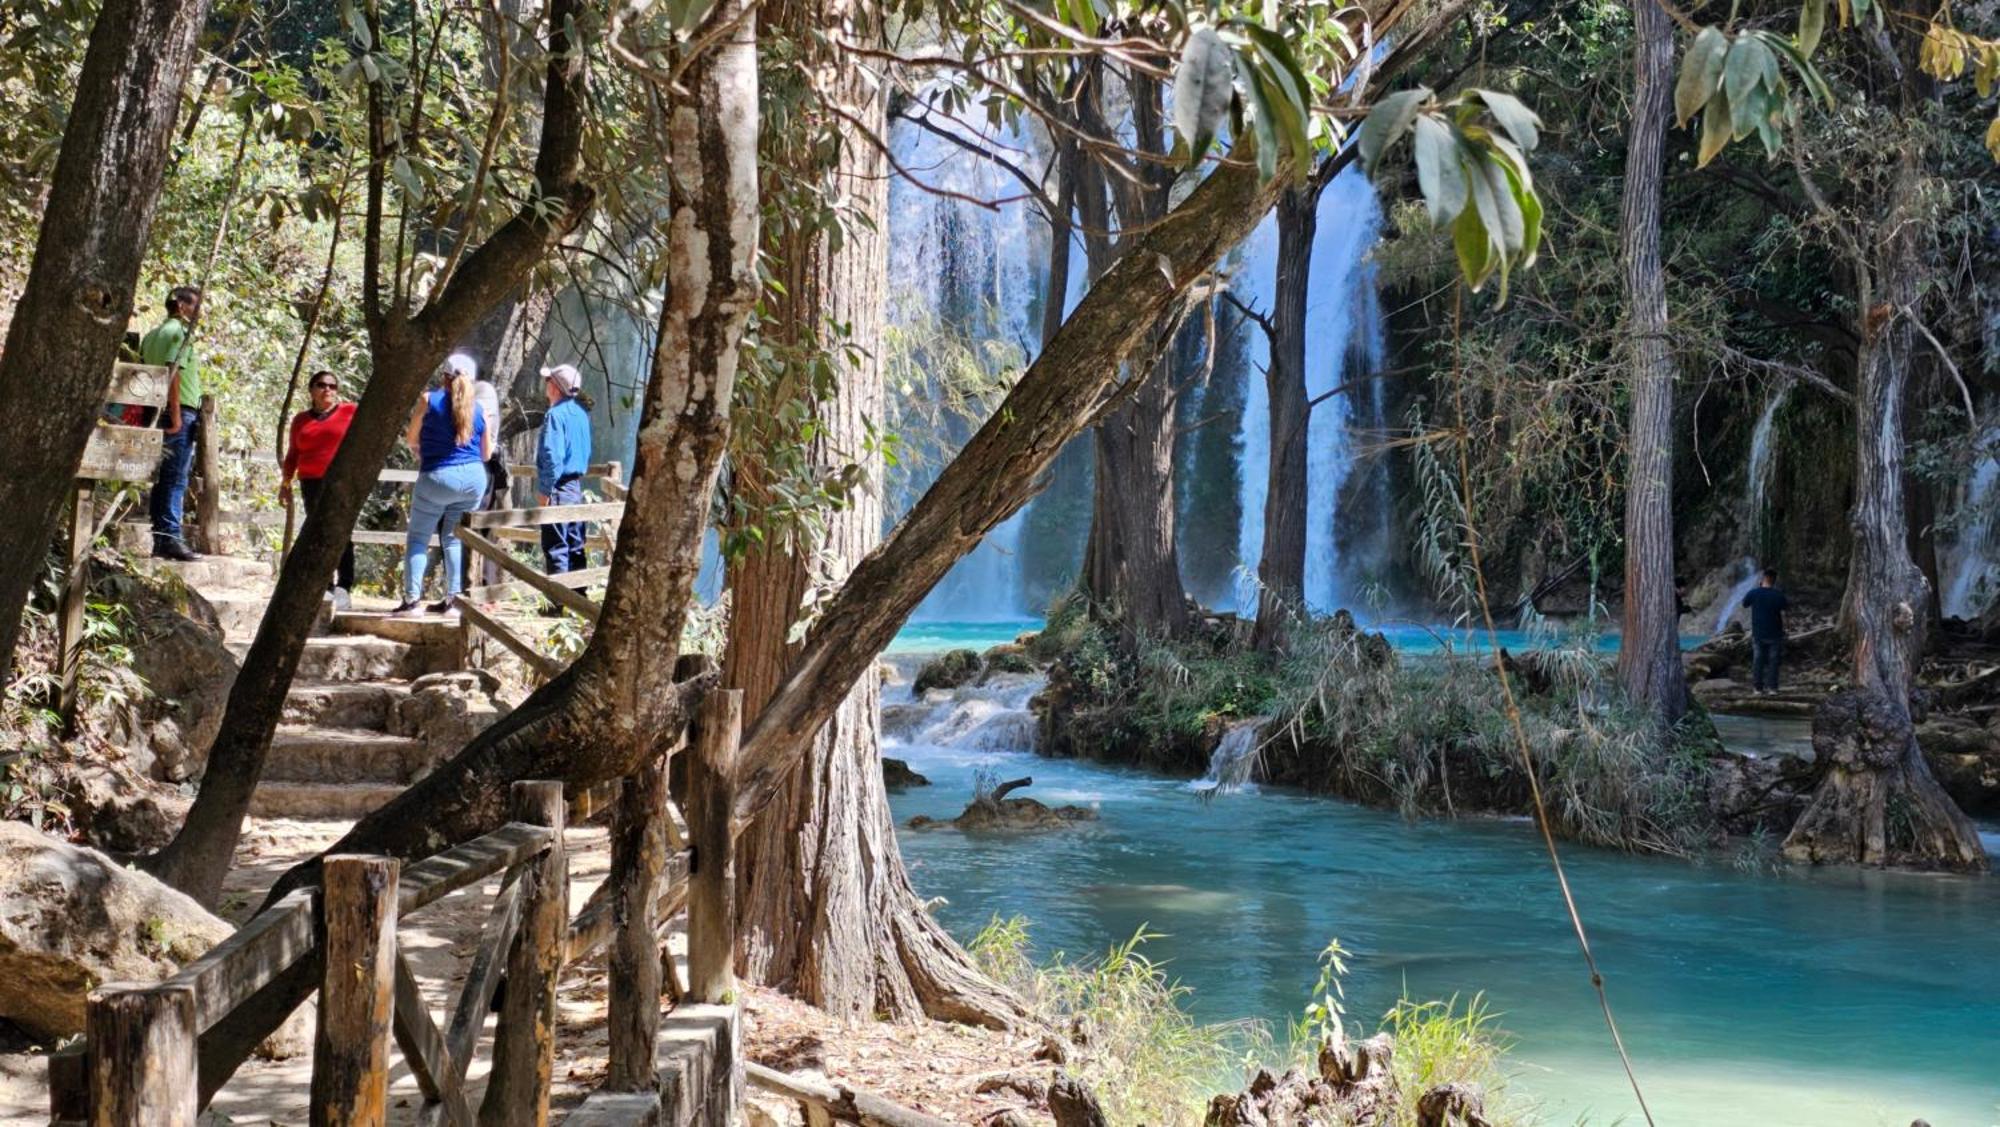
{"x":326,"y":387}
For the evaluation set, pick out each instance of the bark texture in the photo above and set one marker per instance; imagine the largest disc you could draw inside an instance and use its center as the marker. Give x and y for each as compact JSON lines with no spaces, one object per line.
{"x":1281,"y":566}
{"x":827,"y":909}
{"x":1649,"y":660}
{"x":404,"y":350}
{"x":63,"y":339}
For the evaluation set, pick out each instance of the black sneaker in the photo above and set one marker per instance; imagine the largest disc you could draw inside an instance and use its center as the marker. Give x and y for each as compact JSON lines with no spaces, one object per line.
{"x":409,"y":608}
{"x":174,"y":550}
{"x":444,"y":605}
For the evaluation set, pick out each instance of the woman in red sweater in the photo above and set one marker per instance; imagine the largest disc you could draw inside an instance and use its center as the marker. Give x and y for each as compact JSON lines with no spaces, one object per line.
{"x":316,"y":434}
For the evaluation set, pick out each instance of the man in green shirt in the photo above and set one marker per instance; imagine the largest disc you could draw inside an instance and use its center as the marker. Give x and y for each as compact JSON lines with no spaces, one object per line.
{"x":172,"y":344}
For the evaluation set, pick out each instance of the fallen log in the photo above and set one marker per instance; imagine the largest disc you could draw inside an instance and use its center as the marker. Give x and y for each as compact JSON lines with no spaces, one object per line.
{"x":848,"y":1105}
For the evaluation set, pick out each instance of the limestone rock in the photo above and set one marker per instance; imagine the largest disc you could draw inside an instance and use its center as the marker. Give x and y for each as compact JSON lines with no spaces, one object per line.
{"x":1008,"y":657}
{"x":1009,"y":815}
{"x":948,"y":670}
{"x":177,"y":648}
{"x":445,"y":710}
{"x":73,"y":919}
{"x":1966,"y":760}
{"x":897,"y":775}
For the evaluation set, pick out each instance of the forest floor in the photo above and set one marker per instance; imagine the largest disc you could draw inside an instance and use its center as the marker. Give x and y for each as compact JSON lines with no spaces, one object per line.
{"x":933,"y":1067}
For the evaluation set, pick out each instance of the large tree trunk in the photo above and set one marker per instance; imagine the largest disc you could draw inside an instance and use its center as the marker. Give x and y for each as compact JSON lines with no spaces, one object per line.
{"x":1877,"y":802}
{"x":1649,"y":656}
{"x":404,"y":351}
{"x":56,"y":366}
{"x":828,"y":913}
{"x":1281,"y":567}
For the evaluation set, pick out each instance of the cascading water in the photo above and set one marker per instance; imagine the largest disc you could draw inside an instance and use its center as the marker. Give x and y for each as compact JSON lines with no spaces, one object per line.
{"x":1748,"y":573}
{"x":1756,"y":499}
{"x":1343,"y":329}
{"x":1234,"y":761}
{"x":1968,"y":575}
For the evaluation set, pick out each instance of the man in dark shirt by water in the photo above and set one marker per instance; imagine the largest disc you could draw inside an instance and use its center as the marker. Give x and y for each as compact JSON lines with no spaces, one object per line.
{"x":1767,"y":631}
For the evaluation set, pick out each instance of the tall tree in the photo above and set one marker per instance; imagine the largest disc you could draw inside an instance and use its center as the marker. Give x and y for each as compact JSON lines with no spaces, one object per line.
{"x":56,"y":365}
{"x":1649,"y":656}
{"x":404,"y":347}
{"x":828,"y":913}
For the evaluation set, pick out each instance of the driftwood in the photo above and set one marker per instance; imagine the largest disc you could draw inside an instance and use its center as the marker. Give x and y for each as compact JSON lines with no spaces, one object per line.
{"x":1004,"y":789}
{"x":841,"y":1102}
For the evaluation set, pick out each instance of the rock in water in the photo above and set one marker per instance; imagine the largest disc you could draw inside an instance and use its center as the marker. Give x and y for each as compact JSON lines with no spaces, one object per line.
{"x":897,"y":775}
{"x":948,"y":670}
{"x":73,"y":919}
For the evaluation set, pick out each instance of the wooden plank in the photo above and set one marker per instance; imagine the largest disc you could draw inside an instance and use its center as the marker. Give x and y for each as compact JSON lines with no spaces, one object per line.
{"x":576,"y":580}
{"x":561,"y":595}
{"x":462,"y":865}
{"x":849,"y":1105}
{"x":536,"y":659}
{"x":546,"y":514}
{"x":482,"y":975}
{"x":142,"y":1059}
{"x":524,"y":1043}
{"x":591,"y":929}
{"x":397,"y":477}
{"x":268,"y":518}
{"x":439,"y":1075}
{"x":69,"y":1084}
{"x":120,"y":453}
{"x":139,"y":385}
{"x":638,"y":856}
{"x":350,"y":1074}
{"x":247,"y":961}
{"x":386,"y":537}
{"x":711,"y":788}
{"x":69,"y":617}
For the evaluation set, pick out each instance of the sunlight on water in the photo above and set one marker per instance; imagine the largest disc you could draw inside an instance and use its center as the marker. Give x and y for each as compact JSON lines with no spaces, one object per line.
{"x":1749,"y":999}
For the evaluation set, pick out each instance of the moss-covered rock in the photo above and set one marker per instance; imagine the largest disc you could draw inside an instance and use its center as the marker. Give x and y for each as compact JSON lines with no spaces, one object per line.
{"x":1011,"y":657}
{"x":948,"y":670}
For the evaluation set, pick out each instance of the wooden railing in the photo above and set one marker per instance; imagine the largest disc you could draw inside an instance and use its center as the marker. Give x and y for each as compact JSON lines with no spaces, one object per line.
{"x":137,"y":1065}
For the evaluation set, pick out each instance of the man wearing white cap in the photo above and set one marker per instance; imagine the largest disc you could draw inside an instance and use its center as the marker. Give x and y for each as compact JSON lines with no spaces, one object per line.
{"x":560,"y":462}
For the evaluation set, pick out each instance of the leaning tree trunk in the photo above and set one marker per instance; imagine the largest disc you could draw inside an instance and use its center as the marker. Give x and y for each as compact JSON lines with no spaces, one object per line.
{"x":1877,"y":802}
{"x":1649,"y":657}
{"x":1281,"y":566}
{"x":828,"y":913}
{"x":404,"y":351}
{"x":56,"y":365}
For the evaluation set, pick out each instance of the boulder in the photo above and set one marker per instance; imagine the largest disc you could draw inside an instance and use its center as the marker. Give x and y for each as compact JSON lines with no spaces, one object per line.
{"x":897,"y":775}
{"x":1965,"y":757}
{"x":948,"y":670}
{"x":73,"y":919}
{"x":177,"y":649}
{"x":445,"y":710}
{"x":1006,"y":658}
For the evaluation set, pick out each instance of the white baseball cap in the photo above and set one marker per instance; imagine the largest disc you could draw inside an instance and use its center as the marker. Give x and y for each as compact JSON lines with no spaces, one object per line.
{"x":458,"y":363}
{"x":565,"y":377}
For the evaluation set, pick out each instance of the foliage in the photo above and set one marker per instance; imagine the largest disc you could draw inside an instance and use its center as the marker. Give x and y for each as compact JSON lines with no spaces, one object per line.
{"x":1323,"y":1019}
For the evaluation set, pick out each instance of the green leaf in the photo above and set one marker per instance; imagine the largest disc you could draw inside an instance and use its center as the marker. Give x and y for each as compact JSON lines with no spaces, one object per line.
{"x":1514,"y":116}
{"x":1387,"y":122}
{"x":1714,"y":129}
{"x":1701,"y":72}
{"x":1744,"y":67}
{"x":1440,"y":174}
{"x":1474,"y":247}
{"x":1746,"y":113}
{"x":1505,"y":221}
{"x":1531,"y":216}
{"x":1262,"y":121}
{"x":1201,"y":89}
{"x":1812,"y":25}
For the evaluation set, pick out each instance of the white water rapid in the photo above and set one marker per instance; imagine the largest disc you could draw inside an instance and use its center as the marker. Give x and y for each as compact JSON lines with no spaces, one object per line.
{"x":1967,"y":571}
{"x":1233,"y":764}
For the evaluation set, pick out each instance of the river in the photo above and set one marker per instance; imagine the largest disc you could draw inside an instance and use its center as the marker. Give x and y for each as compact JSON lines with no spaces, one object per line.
{"x":1748,"y":998}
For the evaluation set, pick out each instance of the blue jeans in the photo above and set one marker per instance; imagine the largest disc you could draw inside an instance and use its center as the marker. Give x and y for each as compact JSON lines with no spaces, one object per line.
{"x":443,"y":497}
{"x":1765,"y":654}
{"x":562,"y":544}
{"x":170,"y":484}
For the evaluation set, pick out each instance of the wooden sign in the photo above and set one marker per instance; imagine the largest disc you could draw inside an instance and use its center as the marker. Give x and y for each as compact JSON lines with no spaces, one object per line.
{"x":118,"y":453}
{"x":141,"y":385}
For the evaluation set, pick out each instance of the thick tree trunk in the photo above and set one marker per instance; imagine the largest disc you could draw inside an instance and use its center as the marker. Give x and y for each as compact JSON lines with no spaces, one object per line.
{"x":404,"y":352}
{"x":63,"y":339}
{"x":1281,"y":568}
{"x":828,"y":913}
{"x":1877,"y":802}
{"x":1649,"y":657}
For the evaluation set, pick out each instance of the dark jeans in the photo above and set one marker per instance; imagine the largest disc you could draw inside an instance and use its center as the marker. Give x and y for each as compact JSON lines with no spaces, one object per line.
{"x":343,"y":576}
{"x":562,"y":544}
{"x":1764,"y":659}
{"x":170,"y":484}
{"x":499,"y":495}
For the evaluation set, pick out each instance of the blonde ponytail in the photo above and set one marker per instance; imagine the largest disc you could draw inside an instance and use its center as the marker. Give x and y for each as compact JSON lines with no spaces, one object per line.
{"x":463,"y":406}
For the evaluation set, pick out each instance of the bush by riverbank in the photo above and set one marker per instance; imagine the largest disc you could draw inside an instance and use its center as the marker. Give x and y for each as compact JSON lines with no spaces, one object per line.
{"x":1343,"y":714}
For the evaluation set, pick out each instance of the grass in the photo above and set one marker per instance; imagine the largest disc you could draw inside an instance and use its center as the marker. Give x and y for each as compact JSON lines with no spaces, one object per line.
{"x":1150,"y":1062}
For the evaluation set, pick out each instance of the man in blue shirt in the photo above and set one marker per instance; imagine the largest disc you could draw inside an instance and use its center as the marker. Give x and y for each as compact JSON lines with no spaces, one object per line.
{"x":560,"y":461}
{"x":1767,"y":631}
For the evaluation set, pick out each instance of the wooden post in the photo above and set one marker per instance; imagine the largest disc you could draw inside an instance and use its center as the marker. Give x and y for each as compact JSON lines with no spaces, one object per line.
{"x":208,"y":503}
{"x":69,"y":619}
{"x":712,"y":872}
{"x":638,"y":854}
{"x":524,"y":1045}
{"x":350,"y":1076}
{"x":142,"y":1058}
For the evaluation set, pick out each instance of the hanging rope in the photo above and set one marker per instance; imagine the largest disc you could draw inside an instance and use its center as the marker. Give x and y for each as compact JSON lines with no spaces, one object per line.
{"x":1513,"y":709}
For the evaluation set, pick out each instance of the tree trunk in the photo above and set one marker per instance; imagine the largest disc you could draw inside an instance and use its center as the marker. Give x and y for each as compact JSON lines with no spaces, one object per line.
{"x":404,"y":352}
{"x":1649,"y":656}
{"x":827,"y":909}
{"x":1877,"y":802}
{"x":56,"y":366}
{"x":1281,"y":567}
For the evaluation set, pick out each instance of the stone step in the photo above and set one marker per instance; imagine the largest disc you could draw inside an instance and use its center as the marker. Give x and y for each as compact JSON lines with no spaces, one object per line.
{"x":238,"y":613}
{"x":303,"y":754}
{"x":353,"y":659}
{"x":215,"y":573}
{"x":333,"y":801}
{"x":343,"y":704}
{"x":431,"y":630}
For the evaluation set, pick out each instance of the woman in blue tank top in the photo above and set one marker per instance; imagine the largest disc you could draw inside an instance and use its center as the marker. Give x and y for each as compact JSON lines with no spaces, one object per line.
{"x":448,"y":432}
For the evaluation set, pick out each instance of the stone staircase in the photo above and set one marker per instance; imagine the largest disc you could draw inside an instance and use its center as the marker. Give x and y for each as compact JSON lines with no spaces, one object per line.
{"x":344,"y":745}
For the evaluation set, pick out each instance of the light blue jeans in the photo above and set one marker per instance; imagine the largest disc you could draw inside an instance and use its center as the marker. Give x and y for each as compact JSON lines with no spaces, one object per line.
{"x":443,"y":497}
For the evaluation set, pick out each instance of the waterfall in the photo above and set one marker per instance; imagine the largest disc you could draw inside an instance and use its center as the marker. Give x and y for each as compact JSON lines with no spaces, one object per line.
{"x":1234,"y":760}
{"x":1756,"y":498}
{"x":963,"y":287}
{"x":1733,"y":602}
{"x":1966,"y":564}
{"x":1344,"y":329}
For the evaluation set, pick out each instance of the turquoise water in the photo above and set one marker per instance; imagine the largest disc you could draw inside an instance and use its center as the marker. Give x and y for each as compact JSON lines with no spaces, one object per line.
{"x":1819,"y":999}
{"x":936,"y":635}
